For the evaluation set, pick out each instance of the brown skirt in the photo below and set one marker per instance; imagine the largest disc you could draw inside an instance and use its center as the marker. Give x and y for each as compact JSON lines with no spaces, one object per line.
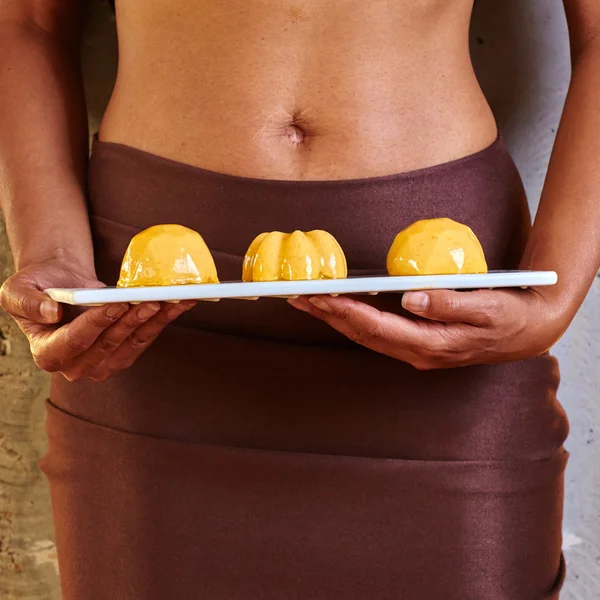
{"x":253,"y":453}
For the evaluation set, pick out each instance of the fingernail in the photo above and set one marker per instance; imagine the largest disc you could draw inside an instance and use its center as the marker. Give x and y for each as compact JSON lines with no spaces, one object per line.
{"x":147,"y":310}
{"x":416,"y":301}
{"x":115,"y":310}
{"x":49,"y":310}
{"x":320,"y":304}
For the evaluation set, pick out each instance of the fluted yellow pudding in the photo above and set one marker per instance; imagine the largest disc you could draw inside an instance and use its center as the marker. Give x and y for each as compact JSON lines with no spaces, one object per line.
{"x":436,"y":247}
{"x":167,"y":255}
{"x":276,"y":256}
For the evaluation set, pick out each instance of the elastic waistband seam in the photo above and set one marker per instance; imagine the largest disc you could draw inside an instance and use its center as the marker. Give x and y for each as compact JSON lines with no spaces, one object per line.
{"x":410,"y":175}
{"x":561,"y":454}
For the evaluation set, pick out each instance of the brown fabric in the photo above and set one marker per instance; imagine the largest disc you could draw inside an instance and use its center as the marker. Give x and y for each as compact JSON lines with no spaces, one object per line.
{"x":253,"y":453}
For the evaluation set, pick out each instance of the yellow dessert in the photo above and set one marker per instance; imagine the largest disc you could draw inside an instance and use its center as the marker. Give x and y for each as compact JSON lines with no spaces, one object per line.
{"x":167,"y":255}
{"x":277,"y":256}
{"x":436,"y":247}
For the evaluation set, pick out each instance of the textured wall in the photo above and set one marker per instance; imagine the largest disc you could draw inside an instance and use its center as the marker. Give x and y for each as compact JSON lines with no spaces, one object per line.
{"x":521,"y":55}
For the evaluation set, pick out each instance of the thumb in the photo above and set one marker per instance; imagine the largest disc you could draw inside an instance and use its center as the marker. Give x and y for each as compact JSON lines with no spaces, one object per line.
{"x":476,"y":307}
{"x":22,"y":299}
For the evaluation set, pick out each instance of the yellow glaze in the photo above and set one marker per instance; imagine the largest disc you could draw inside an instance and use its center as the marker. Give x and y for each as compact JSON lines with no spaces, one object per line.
{"x":279,"y":256}
{"x":436,"y":247}
{"x":167,"y":255}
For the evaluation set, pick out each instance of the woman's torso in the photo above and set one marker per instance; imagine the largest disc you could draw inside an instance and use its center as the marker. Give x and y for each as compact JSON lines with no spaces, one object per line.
{"x":298,"y":89}
{"x":381,"y":88}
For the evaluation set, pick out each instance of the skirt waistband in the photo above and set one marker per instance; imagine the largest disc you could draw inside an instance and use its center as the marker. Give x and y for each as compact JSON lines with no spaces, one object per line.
{"x":135,"y":189}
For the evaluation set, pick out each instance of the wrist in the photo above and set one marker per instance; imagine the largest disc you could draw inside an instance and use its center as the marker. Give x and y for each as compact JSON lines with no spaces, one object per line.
{"x":80,"y":260}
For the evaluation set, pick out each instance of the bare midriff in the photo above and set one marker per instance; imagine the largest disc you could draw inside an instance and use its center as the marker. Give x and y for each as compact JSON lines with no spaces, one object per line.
{"x":298,"y":89}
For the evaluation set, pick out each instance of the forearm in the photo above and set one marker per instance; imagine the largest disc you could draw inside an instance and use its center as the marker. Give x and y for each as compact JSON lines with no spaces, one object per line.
{"x":43,"y":145}
{"x":566,"y":232}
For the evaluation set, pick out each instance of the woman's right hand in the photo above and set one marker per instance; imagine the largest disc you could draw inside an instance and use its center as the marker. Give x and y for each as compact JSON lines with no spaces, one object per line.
{"x":97,"y":342}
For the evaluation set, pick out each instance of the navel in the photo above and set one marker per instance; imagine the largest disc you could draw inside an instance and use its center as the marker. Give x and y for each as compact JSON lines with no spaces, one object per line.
{"x":294,"y":133}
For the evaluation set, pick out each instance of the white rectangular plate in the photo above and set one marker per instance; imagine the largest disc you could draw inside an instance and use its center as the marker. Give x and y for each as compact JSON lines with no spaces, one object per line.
{"x":291,"y":289}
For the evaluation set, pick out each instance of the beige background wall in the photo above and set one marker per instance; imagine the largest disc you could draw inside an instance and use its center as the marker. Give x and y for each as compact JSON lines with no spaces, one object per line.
{"x":521,"y":55}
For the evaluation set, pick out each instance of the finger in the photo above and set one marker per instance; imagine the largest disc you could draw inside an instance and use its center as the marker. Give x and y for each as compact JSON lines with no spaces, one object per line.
{"x":364,"y":324}
{"x":482,"y":308}
{"x":56,"y":350}
{"x":22,"y":299}
{"x":424,"y":344}
{"x":139,"y":340}
{"x":110,"y":340}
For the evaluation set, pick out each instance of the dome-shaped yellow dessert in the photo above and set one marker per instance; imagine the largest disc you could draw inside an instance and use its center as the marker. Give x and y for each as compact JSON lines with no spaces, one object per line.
{"x":167,"y":255}
{"x":436,"y":247}
{"x":277,"y":256}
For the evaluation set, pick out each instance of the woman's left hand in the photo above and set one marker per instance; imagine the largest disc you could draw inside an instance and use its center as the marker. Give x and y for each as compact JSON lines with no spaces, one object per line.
{"x":456,"y":328}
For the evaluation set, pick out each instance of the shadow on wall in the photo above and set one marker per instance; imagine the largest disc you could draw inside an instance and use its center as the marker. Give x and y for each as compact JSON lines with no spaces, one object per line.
{"x":520,"y":53}
{"x":99,"y":59}
{"x":507,"y":59}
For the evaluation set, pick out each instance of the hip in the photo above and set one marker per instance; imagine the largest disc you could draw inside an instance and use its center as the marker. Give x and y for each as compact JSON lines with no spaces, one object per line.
{"x":243,"y":523}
